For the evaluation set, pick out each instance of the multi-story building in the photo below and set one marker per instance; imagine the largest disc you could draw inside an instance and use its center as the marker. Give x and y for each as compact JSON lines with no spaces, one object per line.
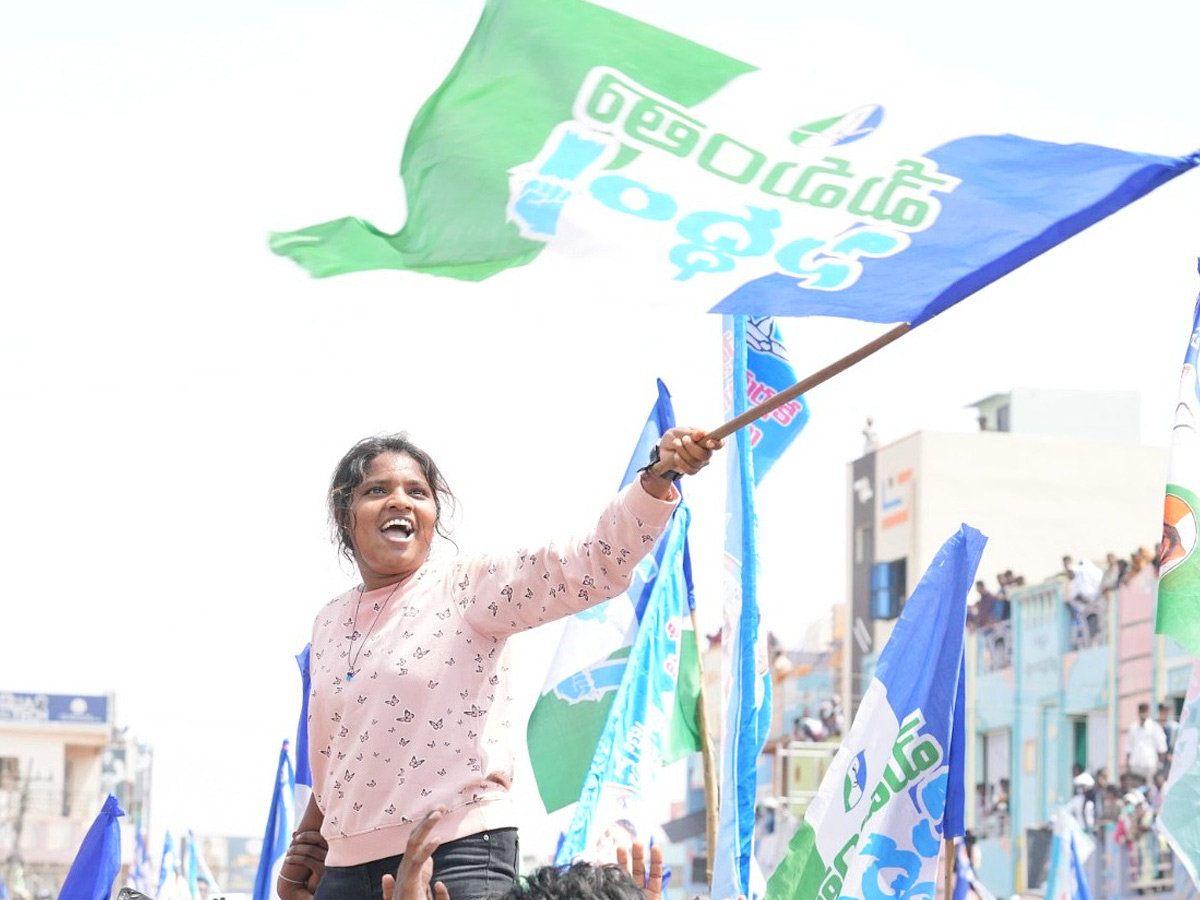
{"x":1049,"y":474}
{"x":60,"y":756}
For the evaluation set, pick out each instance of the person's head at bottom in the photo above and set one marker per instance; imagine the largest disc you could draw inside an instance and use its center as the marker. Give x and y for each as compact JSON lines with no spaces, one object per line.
{"x":579,"y":881}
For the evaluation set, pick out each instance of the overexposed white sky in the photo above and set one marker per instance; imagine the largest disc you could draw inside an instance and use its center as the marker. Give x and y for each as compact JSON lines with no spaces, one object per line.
{"x":175,"y":397}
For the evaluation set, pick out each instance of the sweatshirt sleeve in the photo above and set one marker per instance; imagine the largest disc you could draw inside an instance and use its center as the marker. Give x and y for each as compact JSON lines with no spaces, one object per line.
{"x":505,"y":593}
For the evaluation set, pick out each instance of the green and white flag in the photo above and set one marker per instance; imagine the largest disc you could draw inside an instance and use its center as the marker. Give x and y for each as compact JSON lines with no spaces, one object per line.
{"x":1179,"y":608}
{"x":1179,"y":565}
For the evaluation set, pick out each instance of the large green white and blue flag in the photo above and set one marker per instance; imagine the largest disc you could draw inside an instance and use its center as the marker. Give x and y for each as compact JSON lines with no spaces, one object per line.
{"x":573,"y":710}
{"x":894,"y":791}
{"x":278,"y":833}
{"x":567,"y":127}
{"x":98,"y":860}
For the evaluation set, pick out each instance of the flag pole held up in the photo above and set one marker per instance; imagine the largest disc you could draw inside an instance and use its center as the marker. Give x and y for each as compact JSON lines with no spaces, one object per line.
{"x":800,"y":387}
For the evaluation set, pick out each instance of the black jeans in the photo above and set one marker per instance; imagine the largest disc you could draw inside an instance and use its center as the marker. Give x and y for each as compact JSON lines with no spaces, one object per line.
{"x":472,"y":868}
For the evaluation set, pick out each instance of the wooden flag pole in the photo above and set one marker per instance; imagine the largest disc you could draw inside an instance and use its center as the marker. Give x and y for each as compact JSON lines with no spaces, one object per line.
{"x":772,"y":403}
{"x":949,"y":868}
{"x":710,"y":762}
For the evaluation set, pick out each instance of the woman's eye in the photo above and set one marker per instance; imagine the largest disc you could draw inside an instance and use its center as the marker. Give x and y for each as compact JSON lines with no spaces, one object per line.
{"x":375,"y":489}
{"x":420,"y":492}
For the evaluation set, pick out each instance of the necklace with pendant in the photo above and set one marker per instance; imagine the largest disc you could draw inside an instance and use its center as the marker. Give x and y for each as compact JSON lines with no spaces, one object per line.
{"x":351,"y":653}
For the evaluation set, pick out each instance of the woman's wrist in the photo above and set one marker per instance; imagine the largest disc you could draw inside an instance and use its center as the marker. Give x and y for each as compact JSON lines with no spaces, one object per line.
{"x":656,"y":486}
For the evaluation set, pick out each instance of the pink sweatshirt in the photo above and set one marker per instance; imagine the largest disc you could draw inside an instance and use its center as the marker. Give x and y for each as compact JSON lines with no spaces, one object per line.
{"x":427,"y":718}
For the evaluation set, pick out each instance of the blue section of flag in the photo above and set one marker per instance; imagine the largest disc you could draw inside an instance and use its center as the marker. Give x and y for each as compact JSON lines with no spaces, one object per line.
{"x":768,"y":372}
{"x":1018,"y":198}
{"x":99,"y":858}
{"x":278,"y":832}
{"x":303,"y":768}
{"x":745,"y":725}
{"x":661,"y":418}
{"x":922,"y":668}
{"x":631,"y":747}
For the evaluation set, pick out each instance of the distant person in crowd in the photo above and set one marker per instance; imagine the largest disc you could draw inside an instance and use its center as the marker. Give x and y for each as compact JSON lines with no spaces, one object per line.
{"x":1147,"y":746}
{"x":1141,"y":559}
{"x":1082,"y":806}
{"x":1170,"y":727}
{"x":410,"y":706}
{"x":1114,"y":573}
{"x":1110,"y":806}
{"x":1000,"y":799}
{"x":870,"y":438}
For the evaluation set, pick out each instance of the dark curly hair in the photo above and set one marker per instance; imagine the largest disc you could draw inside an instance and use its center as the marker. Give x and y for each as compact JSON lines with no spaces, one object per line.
{"x":579,"y":881}
{"x":352,"y":470}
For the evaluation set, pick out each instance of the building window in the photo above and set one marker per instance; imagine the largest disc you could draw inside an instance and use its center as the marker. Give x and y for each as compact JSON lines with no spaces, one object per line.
{"x":888,"y":588}
{"x":1002,"y":418}
{"x":864,"y":544}
{"x":10,"y":773}
{"x":993,"y":791}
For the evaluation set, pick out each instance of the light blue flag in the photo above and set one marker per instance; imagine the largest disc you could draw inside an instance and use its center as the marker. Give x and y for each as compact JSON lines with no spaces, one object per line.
{"x":588,"y":668}
{"x":304,"y":777}
{"x":746,"y":683}
{"x":166,"y":865}
{"x":894,"y":791}
{"x":99,"y":858}
{"x":613,"y":808}
{"x":278,"y":832}
{"x":192,"y":866}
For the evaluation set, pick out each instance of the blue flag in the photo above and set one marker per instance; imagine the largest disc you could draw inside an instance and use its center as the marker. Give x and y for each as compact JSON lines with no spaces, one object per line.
{"x":567,"y":722}
{"x":304,"y":777}
{"x":768,"y":371}
{"x":99,"y":858}
{"x":278,"y":833}
{"x":613,"y":807}
{"x":894,"y":791}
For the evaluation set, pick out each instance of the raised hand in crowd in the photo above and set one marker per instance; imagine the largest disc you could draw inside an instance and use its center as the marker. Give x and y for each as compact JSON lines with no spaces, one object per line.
{"x":633,"y":861}
{"x":411,"y":881}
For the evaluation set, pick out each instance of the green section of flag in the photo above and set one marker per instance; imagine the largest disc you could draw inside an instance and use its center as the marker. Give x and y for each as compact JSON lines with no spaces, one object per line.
{"x":800,"y":873}
{"x":562,"y":740}
{"x":516,"y":80}
{"x":684,"y":737}
{"x":1179,"y":588}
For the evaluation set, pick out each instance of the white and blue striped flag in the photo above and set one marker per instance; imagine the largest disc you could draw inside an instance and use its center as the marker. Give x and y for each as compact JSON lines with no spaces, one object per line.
{"x":756,"y":367}
{"x":1069,"y":849}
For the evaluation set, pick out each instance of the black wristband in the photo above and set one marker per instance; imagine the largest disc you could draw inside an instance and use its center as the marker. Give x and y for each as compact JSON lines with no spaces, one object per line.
{"x":655,"y":459}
